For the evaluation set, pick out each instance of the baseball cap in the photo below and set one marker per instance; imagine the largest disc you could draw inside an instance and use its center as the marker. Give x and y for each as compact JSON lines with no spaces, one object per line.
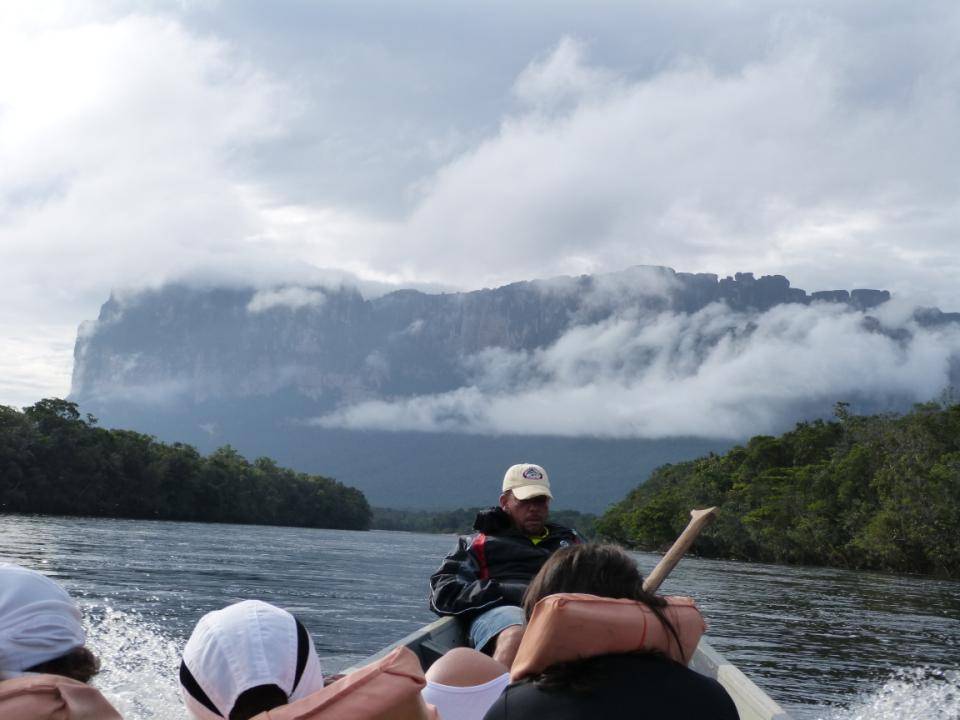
{"x":39,"y":621}
{"x":246,"y":645}
{"x":526,"y":481}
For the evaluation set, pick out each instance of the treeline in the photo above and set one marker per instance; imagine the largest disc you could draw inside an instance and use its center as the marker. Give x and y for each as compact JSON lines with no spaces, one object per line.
{"x":879,"y":492}
{"x":55,"y":461}
{"x":460,"y":521}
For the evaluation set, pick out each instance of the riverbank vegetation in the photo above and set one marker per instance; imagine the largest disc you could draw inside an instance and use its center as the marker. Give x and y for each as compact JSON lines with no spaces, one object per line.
{"x":877,"y":492}
{"x":55,"y":461}
{"x":460,"y":521}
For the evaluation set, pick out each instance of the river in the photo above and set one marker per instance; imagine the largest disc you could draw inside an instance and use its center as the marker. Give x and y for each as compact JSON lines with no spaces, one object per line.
{"x":829,"y":644}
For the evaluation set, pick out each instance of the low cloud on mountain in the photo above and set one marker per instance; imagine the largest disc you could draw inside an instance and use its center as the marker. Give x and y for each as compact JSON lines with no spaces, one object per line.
{"x":292,"y":297}
{"x":715,"y":373}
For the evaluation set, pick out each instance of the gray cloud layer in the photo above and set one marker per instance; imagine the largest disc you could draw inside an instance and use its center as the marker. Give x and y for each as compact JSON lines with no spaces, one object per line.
{"x":716,"y":373}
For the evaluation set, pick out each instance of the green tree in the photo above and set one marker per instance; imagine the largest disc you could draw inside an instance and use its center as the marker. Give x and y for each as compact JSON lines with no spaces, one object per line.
{"x":55,"y":460}
{"x":878,"y":491}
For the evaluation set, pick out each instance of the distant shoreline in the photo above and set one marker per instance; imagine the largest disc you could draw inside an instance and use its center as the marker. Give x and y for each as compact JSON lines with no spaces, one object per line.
{"x":54,"y":461}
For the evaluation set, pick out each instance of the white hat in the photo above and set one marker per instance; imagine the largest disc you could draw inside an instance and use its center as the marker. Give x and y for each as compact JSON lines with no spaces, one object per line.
{"x":38,"y":620}
{"x":243,"y":646}
{"x":526,"y":481}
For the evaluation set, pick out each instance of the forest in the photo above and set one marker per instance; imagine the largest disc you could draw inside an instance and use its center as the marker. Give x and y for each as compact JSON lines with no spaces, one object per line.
{"x":55,"y":461}
{"x":875,"y":492}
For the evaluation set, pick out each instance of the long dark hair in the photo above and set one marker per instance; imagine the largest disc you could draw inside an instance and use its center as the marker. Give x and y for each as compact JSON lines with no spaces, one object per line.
{"x":595,"y":569}
{"x":78,"y":664}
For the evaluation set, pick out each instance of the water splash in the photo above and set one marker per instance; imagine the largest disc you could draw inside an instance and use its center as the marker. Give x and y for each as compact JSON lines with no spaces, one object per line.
{"x":139,"y":664}
{"x":917,"y":694}
{"x":140,"y":661}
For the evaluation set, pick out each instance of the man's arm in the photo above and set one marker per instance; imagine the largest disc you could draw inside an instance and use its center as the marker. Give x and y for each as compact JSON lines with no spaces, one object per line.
{"x":458,"y":587}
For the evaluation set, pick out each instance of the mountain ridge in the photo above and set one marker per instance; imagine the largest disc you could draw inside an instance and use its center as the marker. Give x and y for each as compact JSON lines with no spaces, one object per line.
{"x":255,"y":367}
{"x":457,"y":324}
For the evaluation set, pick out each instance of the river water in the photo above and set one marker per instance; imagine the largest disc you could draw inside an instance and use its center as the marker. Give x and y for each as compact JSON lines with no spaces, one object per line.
{"x":828,"y":644}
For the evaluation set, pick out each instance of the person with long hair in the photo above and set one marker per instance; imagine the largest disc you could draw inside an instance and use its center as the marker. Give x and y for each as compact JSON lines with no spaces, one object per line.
{"x":647,"y":683}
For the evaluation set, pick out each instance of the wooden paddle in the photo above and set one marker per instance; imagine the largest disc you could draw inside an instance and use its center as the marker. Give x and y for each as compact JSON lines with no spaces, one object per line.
{"x":699,"y":519}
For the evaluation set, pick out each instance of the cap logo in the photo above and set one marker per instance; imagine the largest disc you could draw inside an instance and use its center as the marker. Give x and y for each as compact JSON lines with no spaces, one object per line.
{"x":532,"y":473}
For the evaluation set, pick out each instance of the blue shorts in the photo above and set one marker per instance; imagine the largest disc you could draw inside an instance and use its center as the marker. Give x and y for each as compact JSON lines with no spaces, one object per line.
{"x":491,"y":623}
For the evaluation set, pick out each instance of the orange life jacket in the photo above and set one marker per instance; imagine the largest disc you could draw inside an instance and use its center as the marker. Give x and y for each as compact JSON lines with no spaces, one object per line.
{"x":573,"y":626}
{"x":388,"y":689}
{"x":52,"y":697}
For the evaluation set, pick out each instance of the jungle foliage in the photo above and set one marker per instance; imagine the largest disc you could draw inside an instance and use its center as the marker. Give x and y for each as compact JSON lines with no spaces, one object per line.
{"x":55,"y":461}
{"x":879,"y":492}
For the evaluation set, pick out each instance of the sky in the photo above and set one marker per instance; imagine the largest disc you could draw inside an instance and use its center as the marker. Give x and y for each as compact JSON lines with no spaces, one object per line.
{"x":464,"y":145}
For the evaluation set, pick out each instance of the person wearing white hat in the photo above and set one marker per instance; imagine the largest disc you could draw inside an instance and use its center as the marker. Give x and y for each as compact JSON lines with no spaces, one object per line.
{"x":44,"y":664}
{"x":40,"y":628}
{"x":483,"y":580}
{"x":247,"y":658}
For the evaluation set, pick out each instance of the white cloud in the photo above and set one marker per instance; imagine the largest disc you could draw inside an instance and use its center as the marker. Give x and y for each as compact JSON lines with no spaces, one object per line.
{"x":787,"y":165}
{"x":715,"y":373}
{"x":116,"y":139}
{"x":34,"y":363}
{"x":561,"y":78}
{"x":117,"y":151}
{"x":415,"y":328}
{"x":291,"y":298}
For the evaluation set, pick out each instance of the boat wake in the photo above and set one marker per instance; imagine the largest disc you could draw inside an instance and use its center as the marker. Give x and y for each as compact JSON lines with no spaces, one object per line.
{"x":139,"y":664}
{"x":140,"y":661}
{"x":917,"y":694}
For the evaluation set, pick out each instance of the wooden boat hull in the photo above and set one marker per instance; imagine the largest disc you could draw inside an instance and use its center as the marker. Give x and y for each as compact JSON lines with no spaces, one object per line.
{"x":431,"y":641}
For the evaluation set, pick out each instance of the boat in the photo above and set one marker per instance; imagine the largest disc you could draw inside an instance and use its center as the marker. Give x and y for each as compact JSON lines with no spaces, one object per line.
{"x":433,"y":640}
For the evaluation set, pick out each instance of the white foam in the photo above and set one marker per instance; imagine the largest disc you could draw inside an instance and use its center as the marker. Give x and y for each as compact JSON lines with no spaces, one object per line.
{"x":914,"y":694}
{"x":139,"y":665}
{"x":140,"y":661}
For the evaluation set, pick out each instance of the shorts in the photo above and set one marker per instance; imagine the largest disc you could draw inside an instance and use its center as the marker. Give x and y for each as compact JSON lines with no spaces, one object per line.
{"x":491,"y":623}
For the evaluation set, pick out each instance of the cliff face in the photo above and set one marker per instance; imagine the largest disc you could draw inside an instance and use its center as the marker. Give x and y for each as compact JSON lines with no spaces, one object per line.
{"x":251,"y":368}
{"x":337,"y":347}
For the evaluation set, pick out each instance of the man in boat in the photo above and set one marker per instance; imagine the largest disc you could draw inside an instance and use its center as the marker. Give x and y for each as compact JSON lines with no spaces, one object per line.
{"x":482,"y":582}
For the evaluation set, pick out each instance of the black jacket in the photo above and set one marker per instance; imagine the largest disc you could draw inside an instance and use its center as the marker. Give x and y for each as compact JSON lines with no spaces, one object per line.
{"x":632,"y":687}
{"x":493,"y":566}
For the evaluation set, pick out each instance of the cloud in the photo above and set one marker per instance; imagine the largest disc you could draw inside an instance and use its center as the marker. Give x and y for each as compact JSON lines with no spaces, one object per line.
{"x":811,"y":159}
{"x":291,"y":298}
{"x":34,"y":363}
{"x":563,"y":78}
{"x":161,"y":394}
{"x":117,"y":152}
{"x":415,"y":327}
{"x":715,"y":373}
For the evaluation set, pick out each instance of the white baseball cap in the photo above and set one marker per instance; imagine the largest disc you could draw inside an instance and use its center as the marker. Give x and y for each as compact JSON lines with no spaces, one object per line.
{"x":243,"y":646}
{"x":39,"y":621}
{"x":526,"y":481}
